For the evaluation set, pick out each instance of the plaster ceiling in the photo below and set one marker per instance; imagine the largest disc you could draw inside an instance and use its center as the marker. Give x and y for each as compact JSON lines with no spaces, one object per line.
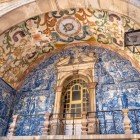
{"x":28,"y":43}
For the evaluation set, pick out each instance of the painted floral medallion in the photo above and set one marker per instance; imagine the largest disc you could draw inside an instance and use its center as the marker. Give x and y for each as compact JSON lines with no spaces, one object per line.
{"x":68,"y":26}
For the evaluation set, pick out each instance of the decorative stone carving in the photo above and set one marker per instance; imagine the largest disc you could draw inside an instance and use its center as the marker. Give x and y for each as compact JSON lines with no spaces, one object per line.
{"x":59,"y":88}
{"x":46,"y":124}
{"x":84,"y":123}
{"x":13,"y":126}
{"x":79,"y":62}
{"x":127,"y":127}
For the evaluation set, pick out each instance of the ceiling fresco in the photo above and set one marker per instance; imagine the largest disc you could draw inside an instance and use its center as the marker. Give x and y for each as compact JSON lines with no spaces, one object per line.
{"x":25,"y":45}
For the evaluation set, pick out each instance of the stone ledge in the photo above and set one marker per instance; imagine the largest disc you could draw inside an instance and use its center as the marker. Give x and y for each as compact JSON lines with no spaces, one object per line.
{"x":93,"y":137}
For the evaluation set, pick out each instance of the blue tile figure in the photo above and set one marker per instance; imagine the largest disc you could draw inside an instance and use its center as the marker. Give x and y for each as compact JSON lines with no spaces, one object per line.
{"x":124,"y":100}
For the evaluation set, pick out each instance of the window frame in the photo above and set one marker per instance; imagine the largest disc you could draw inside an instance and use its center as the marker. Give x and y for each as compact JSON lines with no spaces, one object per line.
{"x":69,"y":88}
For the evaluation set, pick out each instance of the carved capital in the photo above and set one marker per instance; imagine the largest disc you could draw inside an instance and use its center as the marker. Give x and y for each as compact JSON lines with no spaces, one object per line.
{"x":92,"y":85}
{"x":59,"y":89}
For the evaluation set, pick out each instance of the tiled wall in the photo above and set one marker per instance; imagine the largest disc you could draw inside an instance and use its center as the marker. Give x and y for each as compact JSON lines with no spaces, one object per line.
{"x":6,"y":102}
{"x":118,"y":87}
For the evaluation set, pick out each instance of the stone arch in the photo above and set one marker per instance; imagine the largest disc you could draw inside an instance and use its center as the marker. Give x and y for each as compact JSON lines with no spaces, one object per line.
{"x":82,"y":75}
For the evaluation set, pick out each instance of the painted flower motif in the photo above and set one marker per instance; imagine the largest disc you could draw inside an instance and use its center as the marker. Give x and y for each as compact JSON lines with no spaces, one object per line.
{"x":29,"y":23}
{"x":68,"y":27}
{"x":2,"y":61}
{"x":18,"y":52}
{"x":37,"y":37}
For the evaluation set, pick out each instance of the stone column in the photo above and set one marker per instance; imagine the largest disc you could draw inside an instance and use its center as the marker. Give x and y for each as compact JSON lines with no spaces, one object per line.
{"x":126,"y":121}
{"x":12,"y":127}
{"x":92,"y":120}
{"x":84,"y":123}
{"x":57,"y":103}
{"x":46,"y":128}
{"x":55,"y":123}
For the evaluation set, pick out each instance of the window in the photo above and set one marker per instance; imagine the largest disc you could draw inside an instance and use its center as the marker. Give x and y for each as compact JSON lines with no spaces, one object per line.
{"x":76,"y":93}
{"x":75,"y":98}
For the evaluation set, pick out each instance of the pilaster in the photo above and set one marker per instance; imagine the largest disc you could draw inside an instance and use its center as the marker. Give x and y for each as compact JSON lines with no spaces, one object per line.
{"x":57,"y":99}
{"x":92,"y":94}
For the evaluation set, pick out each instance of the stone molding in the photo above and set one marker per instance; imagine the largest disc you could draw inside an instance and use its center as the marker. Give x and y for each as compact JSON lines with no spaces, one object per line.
{"x":8,"y":5}
{"x":87,"y":137}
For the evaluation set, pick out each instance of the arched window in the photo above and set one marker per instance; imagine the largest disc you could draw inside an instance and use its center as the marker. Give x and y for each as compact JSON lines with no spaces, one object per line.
{"x":75,"y":98}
